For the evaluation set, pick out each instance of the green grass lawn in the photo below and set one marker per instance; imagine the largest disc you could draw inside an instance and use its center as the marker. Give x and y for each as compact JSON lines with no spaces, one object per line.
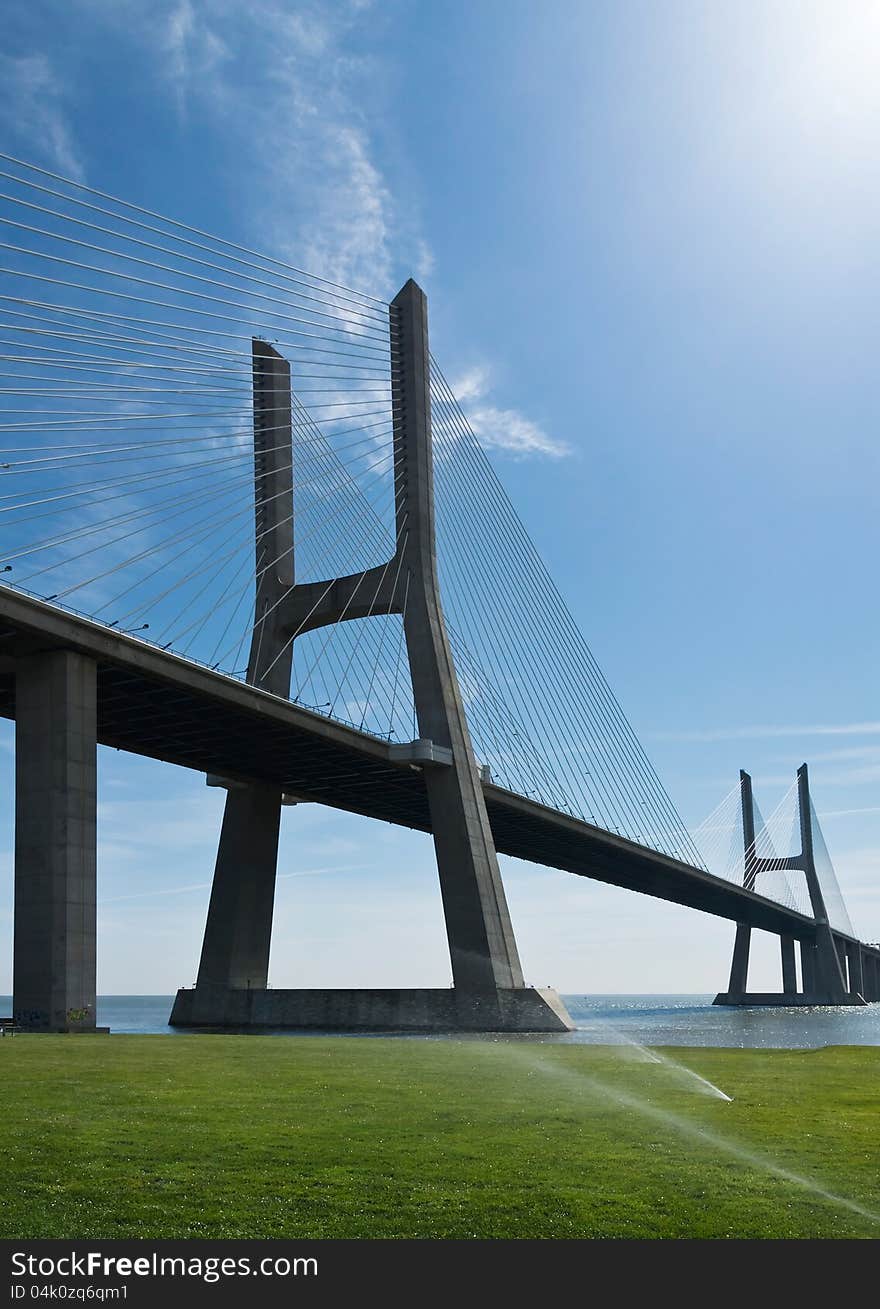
{"x":228,"y":1136}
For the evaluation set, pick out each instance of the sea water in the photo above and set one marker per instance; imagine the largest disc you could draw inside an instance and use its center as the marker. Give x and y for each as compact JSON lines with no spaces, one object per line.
{"x":687,"y":1020}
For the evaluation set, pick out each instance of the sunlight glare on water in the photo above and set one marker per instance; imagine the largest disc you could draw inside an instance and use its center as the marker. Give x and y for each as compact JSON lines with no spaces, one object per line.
{"x":640,"y":1020}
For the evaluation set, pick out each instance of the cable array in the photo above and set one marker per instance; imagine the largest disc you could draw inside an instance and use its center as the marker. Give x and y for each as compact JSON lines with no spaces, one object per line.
{"x":563,"y":737}
{"x":128,"y":491}
{"x":719,"y":838}
{"x":777,"y":839}
{"x":127,"y":480}
{"x":835,"y":907}
{"x":762,"y":866}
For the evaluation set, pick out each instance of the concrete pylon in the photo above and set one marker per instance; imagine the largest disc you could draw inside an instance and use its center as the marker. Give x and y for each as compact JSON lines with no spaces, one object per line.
{"x":739,"y":968}
{"x":855,"y":968}
{"x":789,"y":965}
{"x":824,"y":972}
{"x":238,"y":931}
{"x":481,"y":941}
{"x":488,"y":988}
{"x":830,"y":980}
{"x":54,"y":968}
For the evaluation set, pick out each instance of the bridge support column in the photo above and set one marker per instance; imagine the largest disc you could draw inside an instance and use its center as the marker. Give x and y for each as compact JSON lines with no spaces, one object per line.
{"x":872,"y":976}
{"x":856,"y":971}
{"x":828,"y":975}
{"x":808,"y":967}
{"x":841,"y":950}
{"x":830,"y":971}
{"x":54,"y":971}
{"x":789,"y":969}
{"x":481,"y":941}
{"x":739,"y":968}
{"x":238,"y":932}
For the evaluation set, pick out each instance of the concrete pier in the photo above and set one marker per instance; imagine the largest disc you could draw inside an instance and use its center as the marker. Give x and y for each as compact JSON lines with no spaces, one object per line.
{"x":739,"y":967}
{"x":789,"y":967}
{"x":54,"y":969}
{"x":520,"y":1009}
{"x":855,"y":970}
{"x":238,"y":931}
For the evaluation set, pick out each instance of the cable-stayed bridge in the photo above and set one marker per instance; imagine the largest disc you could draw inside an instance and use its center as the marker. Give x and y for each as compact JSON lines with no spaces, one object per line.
{"x":245,"y":527}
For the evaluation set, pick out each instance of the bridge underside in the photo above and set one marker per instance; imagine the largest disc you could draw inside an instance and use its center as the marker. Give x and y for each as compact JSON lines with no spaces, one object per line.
{"x":155,"y":704}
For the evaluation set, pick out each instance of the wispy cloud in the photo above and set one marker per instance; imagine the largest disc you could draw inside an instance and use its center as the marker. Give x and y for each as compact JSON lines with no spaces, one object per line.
{"x":299,"y":104}
{"x":205,"y":886}
{"x":502,"y":429}
{"x":32,"y":106}
{"x":348,"y":239}
{"x":848,"y":813}
{"x":848,"y":753}
{"x":823,"y":777}
{"x":193,"y":50}
{"x":281,"y":82}
{"x":766,"y":731}
{"x":424,"y":265}
{"x":856,"y":765}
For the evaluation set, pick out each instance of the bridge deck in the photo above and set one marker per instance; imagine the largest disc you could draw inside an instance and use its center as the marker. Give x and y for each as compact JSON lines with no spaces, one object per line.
{"x":154,"y":703}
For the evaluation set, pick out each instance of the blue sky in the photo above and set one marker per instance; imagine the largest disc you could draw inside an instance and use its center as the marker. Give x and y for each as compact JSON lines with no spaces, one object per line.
{"x":647,"y":231}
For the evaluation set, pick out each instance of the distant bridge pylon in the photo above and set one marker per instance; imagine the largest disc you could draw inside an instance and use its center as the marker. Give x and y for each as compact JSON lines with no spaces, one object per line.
{"x":835,"y":968}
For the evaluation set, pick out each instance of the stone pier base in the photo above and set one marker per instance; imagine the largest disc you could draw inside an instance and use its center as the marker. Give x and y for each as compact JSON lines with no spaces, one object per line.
{"x":526,"y":1009}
